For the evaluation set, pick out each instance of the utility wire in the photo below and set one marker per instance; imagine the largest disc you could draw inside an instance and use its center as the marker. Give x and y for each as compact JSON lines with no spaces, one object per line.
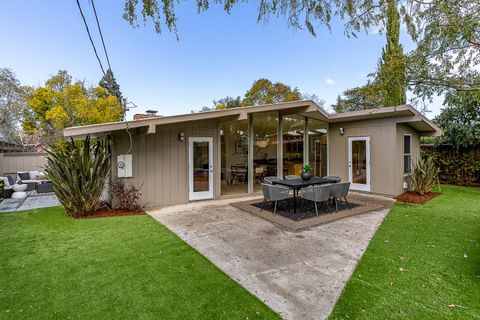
{"x":90,"y":37}
{"x":101,"y":35}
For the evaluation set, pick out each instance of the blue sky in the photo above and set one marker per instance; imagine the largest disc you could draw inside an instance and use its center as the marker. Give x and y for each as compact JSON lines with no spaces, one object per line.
{"x":217,"y":54}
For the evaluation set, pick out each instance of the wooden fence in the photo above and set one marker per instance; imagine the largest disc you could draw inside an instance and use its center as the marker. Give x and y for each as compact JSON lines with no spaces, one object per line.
{"x":11,"y":163}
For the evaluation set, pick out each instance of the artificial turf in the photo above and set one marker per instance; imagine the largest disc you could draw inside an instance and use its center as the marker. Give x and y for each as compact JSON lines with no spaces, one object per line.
{"x":52,"y":266}
{"x":423,"y":263}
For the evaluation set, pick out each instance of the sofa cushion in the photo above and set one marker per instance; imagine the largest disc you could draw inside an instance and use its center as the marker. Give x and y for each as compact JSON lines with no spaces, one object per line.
{"x":35,"y":174}
{"x":11,"y":182}
{"x":23,"y":176}
{"x":30,"y":181}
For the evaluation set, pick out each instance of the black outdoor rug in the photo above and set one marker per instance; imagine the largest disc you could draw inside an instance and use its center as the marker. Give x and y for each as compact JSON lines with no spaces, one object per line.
{"x":305,"y":209}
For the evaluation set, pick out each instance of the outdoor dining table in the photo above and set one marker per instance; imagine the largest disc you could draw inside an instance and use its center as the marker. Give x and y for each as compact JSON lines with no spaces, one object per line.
{"x":298,"y":184}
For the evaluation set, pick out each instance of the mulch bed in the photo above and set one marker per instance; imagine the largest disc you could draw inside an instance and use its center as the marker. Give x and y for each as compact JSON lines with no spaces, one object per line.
{"x":413,"y":197}
{"x":109,"y":212}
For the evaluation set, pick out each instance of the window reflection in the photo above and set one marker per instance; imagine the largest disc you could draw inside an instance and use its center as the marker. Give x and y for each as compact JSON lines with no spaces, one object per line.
{"x":265,"y":127}
{"x":293,"y":129}
{"x":234,"y":159}
{"x":317,"y":145}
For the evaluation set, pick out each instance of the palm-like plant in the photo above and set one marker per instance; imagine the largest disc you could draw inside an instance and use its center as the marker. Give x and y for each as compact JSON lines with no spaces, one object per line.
{"x":424,"y":175}
{"x":79,"y":172}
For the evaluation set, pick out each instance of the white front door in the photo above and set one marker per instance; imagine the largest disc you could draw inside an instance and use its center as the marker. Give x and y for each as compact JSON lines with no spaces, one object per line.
{"x":200,"y":172}
{"x":359,"y":163}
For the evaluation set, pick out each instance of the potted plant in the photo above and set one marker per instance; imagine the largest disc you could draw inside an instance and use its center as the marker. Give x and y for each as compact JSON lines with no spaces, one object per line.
{"x":306,"y":174}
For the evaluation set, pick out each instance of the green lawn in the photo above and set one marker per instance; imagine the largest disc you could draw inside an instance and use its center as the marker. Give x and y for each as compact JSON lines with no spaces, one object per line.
{"x":437,"y":245}
{"x":52,"y":266}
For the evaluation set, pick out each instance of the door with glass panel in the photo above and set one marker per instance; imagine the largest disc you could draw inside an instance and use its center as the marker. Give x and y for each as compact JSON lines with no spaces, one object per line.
{"x":200,"y":154}
{"x":359,"y":163}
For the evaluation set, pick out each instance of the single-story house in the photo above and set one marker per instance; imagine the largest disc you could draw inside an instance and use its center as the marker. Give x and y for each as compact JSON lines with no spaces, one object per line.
{"x":208,"y":155}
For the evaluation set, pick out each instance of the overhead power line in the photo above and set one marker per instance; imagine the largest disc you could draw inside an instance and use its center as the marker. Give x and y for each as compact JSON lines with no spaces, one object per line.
{"x":90,"y":37}
{"x":101,"y":35}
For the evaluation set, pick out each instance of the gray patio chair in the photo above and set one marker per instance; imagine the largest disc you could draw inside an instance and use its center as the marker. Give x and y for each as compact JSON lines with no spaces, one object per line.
{"x":338,"y":179}
{"x":270,"y":179}
{"x":340,"y":191}
{"x":292,"y":177}
{"x":273,"y":193}
{"x":317,"y":194}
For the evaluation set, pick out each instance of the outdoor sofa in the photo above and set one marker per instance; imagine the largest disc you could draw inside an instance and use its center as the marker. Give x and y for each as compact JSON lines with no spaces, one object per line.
{"x":35,"y":180}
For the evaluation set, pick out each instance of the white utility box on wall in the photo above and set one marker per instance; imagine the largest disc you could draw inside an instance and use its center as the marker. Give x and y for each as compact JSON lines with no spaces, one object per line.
{"x":124,"y":166}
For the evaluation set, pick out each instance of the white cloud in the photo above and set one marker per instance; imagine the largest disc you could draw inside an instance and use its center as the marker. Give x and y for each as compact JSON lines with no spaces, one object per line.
{"x":329,"y":82}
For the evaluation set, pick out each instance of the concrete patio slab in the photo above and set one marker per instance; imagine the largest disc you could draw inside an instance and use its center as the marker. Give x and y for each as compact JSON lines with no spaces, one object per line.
{"x":299,"y":274}
{"x":39,"y":201}
{"x":9,"y":205}
{"x":29,"y":203}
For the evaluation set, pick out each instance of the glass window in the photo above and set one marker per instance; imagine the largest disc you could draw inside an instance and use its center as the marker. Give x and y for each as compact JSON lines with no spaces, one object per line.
{"x":265,"y":143}
{"x":201,"y":165}
{"x":407,"y":154}
{"x":293,"y":129}
{"x":234,"y":163}
{"x":317,"y":145}
{"x":359,"y":161}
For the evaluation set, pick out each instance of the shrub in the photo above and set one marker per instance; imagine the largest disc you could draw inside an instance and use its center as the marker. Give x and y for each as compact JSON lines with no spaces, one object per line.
{"x":126,"y":198}
{"x":460,"y":168}
{"x":78,"y":172}
{"x":424,"y":175}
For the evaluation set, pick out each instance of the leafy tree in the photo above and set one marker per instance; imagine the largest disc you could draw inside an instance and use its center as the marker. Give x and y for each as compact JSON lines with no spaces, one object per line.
{"x":389,"y":86}
{"x":12,"y":106}
{"x":359,"y":98}
{"x":264,"y":91}
{"x":447,"y":32}
{"x":460,"y":119}
{"x":227,"y":103}
{"x":313,"y":97}
{"x":109,"y":83}
{"x":391,"y":70}
{"x":62,"y":103}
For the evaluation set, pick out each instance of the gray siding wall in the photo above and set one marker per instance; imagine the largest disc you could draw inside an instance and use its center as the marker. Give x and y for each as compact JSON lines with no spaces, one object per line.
{"x":160,"y":160}
{"x":403,"y":129}
{"x":11,"y":163}
{"x":382,"y":133}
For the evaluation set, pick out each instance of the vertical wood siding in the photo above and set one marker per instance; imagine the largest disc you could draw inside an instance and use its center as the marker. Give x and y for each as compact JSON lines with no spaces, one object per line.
{"x":382,"y":135}
{"x":160,"y":160}
{"x":11,"y":163}
{"x":403,"y":129}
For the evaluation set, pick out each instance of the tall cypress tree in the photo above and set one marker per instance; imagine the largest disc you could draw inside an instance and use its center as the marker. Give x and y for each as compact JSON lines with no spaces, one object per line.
{"x":391,"y":69}
{"x":109,"y":83}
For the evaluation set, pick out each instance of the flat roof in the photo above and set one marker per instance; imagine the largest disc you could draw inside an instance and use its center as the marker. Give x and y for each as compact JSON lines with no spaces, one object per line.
{"x":305,"y":107}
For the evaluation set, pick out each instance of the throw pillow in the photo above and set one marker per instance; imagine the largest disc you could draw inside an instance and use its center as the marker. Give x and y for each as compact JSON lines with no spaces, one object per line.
{"x":24,"y":175}
{"x":11,"y":182}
